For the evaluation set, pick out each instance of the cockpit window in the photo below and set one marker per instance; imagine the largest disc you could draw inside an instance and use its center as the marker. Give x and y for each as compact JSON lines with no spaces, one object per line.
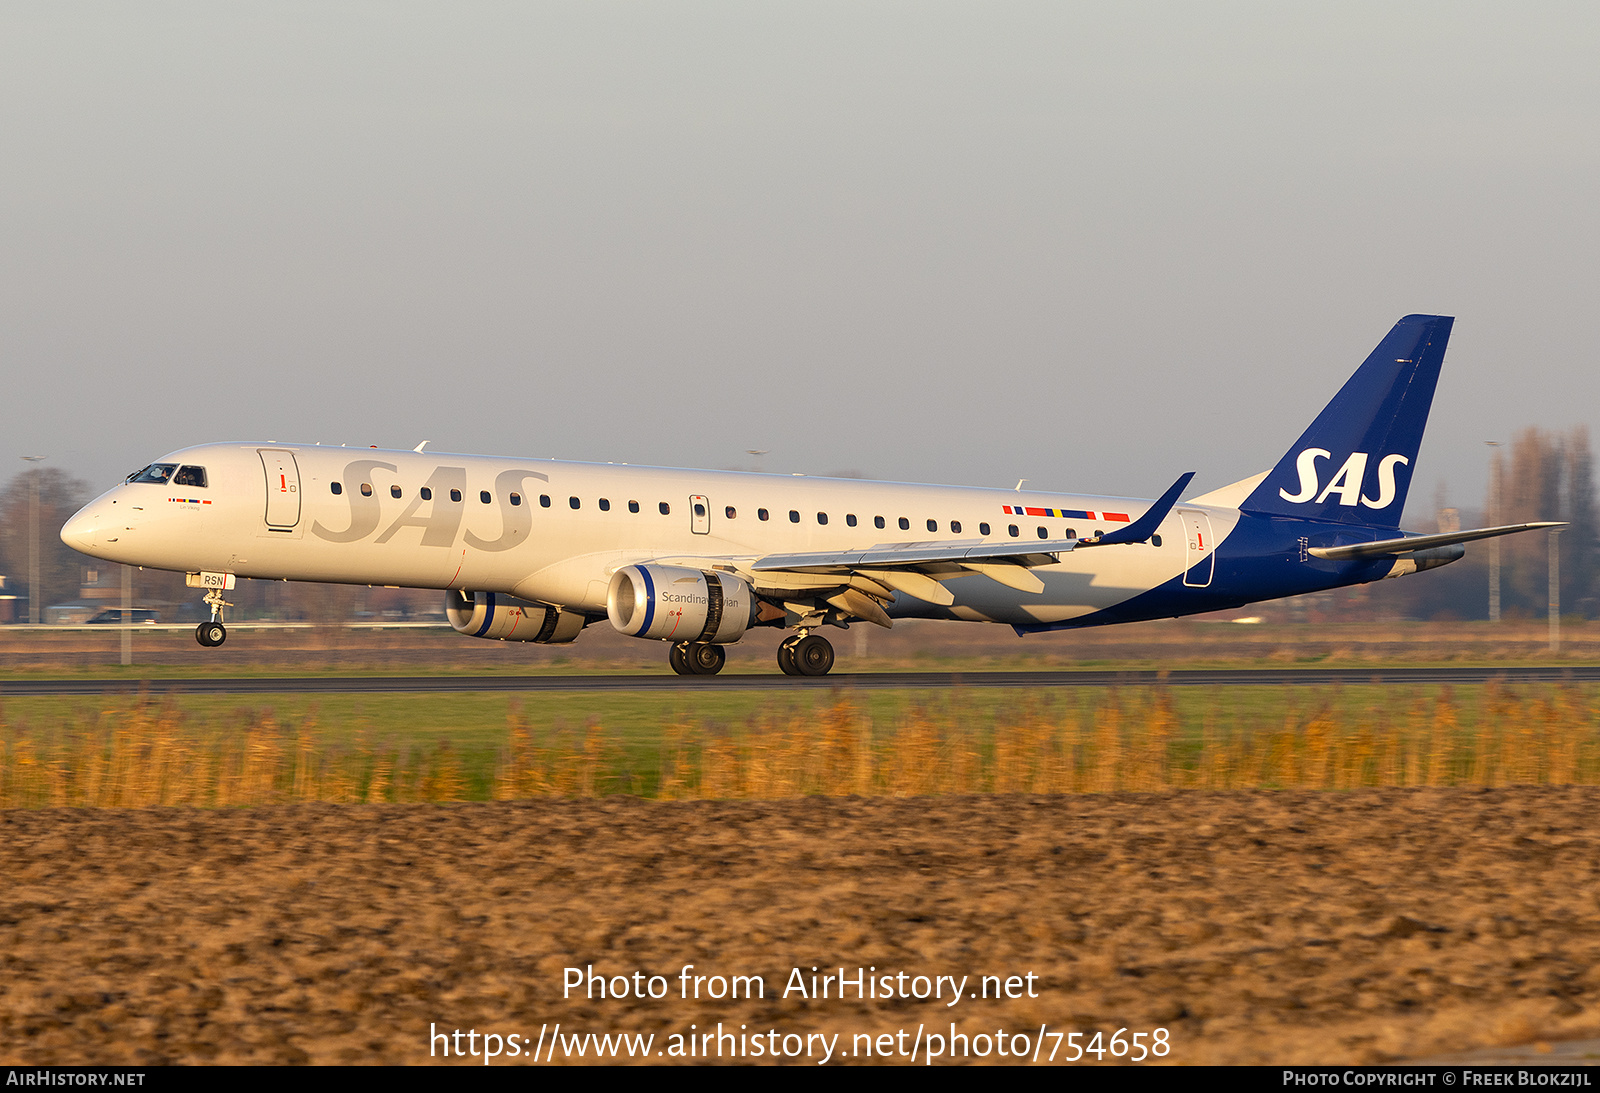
{"x":159,"y":473}
{"x":191,"y":476}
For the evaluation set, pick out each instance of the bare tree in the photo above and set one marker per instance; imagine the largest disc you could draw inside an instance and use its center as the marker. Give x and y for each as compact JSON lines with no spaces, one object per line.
{"x":1550,"y":476}
{"x":60,"y":567}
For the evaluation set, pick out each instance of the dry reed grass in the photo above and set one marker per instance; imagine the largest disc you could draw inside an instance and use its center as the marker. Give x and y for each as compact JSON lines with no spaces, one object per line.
{"x":149,"y":753}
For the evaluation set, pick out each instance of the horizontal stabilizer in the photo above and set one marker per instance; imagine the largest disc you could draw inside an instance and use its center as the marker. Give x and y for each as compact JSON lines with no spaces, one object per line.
{"x":1423,"y":542}
{"x":1141,"y":529}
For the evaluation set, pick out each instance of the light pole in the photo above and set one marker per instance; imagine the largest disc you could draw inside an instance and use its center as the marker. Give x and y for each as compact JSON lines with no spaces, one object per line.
{"x":127,"y":614}
{"x":33,"y":539}
{"x":1494,"y":544}
{"x":1555,"y":592}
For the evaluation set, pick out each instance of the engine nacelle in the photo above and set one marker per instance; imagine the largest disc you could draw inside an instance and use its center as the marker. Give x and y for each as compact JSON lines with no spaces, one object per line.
{"x":506,"y":618}
{"x":673,"y":603}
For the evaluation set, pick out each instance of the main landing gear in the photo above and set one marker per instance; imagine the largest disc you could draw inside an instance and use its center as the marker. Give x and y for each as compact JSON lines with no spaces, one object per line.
{"x":693,"y":658}
{"x":805,"y":655}
{"x":213,"y":633}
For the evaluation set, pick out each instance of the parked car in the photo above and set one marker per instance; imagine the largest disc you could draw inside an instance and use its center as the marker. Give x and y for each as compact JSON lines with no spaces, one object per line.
{"x":113,"y":615}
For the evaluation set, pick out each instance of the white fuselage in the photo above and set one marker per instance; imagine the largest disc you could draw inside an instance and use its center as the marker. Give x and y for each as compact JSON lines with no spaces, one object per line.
{"x":554,"y":532}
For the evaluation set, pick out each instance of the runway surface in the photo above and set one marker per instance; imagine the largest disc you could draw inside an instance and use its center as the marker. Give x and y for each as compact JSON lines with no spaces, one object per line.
{"x":1198,"y":677}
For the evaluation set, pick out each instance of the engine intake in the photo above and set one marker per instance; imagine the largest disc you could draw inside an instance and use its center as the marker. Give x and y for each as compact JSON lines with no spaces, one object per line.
{"x":673,"y":603}
{"x":506,"y":618}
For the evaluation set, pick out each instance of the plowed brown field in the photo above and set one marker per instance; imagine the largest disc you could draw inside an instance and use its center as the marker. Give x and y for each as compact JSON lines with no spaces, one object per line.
{"x":1255,"y":927}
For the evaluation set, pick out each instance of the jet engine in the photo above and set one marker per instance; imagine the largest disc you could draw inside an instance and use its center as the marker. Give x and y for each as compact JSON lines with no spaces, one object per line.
{"x":493,"y":615}
{"x":673,"y":603}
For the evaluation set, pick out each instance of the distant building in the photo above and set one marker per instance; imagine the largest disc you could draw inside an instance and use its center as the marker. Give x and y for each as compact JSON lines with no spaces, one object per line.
{"x":102,"y":582}
{"x":11,"y":609}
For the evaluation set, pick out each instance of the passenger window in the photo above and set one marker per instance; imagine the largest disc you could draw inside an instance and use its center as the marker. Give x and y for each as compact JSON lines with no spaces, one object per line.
{"x":516,"y":500}
{"x":729,"y":512}
{"x":425,"y":493}
{"x":574,"y":502}
{"x":762,"y":514}
{"x":483,"y":495}
{"x":933,"y":525}
{"x":666,"y":509}
{"x":1044,"y":533}
{"x":455,"y":495}
{"x":366,"y":489}
{"x":955,"y":526}
{"x":544,"y":500}
{"x":1072,"y":533}
{"x":877,"y":521}
{"x":1013,"y":529}
{"x":1155,"y":540}
{"x":822,"y":518}
{"x":794,"y":516}
{"x":336,"y":487}
{"x":905,"y":525}
{"x":1098,"y":533}
{"x":699,"y":509}
{"x":850,"y":519}
{"x":605,"y":505}
{"x":191,"y":476}
{"x":633,"y":506}
{"x":983,"y":528}
{"x":394,"y":491}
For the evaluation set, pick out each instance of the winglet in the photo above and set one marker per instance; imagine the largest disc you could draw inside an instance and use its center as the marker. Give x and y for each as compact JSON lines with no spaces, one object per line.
{"x":1141,"y":529}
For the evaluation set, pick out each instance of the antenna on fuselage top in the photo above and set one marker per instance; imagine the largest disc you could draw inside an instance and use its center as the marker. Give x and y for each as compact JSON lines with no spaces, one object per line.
{"x":1018,"y":486}
{"x":421,"y":446}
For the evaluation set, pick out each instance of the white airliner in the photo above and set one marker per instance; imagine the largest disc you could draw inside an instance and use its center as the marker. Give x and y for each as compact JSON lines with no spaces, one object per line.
{"x":535,"y":549}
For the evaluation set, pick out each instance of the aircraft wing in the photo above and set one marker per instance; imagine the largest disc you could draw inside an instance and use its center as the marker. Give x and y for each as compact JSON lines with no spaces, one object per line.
{"x":1040,"y":552}
{"x":1409,"y":543}
{"x":870,"y":576}
{"x":858,"y":582}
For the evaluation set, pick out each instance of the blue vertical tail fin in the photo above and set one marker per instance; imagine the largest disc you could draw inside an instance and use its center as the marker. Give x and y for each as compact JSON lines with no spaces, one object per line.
{"x":1354,"y":463}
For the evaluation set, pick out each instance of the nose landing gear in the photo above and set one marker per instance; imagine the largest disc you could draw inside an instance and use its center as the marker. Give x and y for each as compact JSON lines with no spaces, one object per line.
{"x":805,"y":654}
{"x":213,"y":633}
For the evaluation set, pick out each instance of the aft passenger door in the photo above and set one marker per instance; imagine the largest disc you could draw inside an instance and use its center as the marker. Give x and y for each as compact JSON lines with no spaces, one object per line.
{"x":699,"y":515}
{"x":1200,"y":560}
{"x":283,"y":488}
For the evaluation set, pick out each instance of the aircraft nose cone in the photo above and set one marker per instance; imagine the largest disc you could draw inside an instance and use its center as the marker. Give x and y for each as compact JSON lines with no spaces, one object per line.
{"x":81,"y":532}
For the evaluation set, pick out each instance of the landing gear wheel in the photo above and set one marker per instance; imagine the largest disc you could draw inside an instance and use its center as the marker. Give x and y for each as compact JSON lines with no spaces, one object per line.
{"x":705,"y":659}
{"x":211,"y":634}
{"x":677,"y":657}
{"x":786,"y":657}
{"x":812,"y":656}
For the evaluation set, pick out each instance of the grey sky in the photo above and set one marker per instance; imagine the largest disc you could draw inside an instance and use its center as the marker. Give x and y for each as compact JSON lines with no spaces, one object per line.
{"x":1092,"y":245}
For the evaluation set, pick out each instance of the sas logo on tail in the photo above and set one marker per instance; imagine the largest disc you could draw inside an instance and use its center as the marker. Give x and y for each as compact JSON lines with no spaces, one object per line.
{"x":1347,"y":483}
